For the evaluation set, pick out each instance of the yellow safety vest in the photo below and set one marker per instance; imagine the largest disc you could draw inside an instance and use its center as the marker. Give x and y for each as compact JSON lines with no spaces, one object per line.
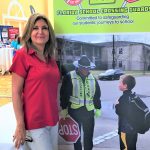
{"x":83,"y":93}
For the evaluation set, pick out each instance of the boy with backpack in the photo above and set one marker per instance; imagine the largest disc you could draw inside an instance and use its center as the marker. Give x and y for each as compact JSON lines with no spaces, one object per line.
{"x":127,"y":134}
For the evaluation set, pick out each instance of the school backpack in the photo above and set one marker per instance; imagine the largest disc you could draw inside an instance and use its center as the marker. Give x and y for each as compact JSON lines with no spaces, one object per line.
{"x":139,"y":114}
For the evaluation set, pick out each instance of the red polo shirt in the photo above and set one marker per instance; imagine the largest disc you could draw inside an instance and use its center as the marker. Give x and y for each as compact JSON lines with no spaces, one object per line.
{"x":39,"y":90}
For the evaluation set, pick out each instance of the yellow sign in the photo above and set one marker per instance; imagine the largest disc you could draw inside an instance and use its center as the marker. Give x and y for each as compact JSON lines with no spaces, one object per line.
{"x":101,"y":16}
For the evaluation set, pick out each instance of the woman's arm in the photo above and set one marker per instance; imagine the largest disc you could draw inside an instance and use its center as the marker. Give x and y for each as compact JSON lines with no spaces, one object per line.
{"x":17,"y":87}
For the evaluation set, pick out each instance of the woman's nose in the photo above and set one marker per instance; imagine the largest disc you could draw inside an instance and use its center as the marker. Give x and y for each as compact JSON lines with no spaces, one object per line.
{"x":40,"y":30}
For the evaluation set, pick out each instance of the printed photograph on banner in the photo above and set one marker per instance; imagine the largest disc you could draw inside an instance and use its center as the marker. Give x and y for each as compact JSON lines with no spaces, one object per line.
{"x":130,"y":51}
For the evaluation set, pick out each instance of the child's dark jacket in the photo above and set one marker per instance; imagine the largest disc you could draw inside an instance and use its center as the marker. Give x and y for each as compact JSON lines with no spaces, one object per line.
{"x":122,"y":110}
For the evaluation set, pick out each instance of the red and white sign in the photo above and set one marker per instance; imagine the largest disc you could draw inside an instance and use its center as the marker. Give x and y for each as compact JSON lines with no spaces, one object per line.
{"x":131,"y":1}
{"x":68,"y":129}
{"x":12,"y":32}
{"x":73,"y":2}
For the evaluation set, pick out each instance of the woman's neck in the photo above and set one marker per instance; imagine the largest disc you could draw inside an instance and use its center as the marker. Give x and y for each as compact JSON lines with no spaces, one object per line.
{"x":39,"y":49}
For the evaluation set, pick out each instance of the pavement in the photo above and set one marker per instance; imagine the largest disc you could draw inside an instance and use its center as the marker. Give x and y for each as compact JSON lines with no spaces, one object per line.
{"x":69,"y":147}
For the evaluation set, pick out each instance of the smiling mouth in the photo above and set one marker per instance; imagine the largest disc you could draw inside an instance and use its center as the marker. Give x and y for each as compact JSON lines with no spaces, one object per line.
{"x":41,"y":37}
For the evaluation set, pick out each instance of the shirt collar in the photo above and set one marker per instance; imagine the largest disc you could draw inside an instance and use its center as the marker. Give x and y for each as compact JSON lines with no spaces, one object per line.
{"x":31,"y":51}
{"x":127,"y":91}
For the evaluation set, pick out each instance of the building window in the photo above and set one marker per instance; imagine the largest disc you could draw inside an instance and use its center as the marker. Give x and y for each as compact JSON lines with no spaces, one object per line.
{"x":120,"y":64}
{"x":120,"y":51}
{"x":69,"y":52}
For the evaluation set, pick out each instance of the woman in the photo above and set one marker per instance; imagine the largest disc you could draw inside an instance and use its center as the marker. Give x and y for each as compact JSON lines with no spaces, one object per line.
{"x":35,"y":78}
{"x":16,"y":44}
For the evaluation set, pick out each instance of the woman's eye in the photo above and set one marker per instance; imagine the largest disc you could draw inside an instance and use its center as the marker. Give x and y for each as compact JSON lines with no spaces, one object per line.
{"x":45,"y":28}
{"x":35,"y":28}
{"x":42,"y":28}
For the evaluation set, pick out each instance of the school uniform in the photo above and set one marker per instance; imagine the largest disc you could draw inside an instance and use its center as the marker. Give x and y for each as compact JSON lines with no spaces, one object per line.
{"x":127,"y":135}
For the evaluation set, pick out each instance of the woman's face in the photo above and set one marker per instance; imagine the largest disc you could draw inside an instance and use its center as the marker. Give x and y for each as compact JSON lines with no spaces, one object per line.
{"x":40,"y":33}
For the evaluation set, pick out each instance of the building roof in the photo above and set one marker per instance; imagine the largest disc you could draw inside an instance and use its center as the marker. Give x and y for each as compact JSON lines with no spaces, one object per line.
{"x":119,"y":43}
{"x":108,"y":44}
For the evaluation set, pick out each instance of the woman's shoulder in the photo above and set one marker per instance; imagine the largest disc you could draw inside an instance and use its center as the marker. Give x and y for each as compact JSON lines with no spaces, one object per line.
{"x":53,"y":60}
{"x":22,"y":51}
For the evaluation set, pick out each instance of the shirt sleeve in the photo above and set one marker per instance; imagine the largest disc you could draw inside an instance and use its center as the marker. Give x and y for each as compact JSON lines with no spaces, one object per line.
{"x":65,"y":91}
{"x":19,"y":65}
{"x":122,"y":107}
{"x":97,"y":101}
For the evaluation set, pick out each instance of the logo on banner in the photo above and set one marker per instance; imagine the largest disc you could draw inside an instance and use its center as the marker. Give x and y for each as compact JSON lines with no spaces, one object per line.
{"x":68,"y":129}
{"x":74,"y":3}
{"x":128,"y":1}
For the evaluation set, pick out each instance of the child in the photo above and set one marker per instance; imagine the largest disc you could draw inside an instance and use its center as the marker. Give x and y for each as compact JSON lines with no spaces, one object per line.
{"x":127,"y":135}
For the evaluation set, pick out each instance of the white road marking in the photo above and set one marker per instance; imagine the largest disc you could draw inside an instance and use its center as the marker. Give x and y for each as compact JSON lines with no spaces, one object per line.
{"x":104,"y":137}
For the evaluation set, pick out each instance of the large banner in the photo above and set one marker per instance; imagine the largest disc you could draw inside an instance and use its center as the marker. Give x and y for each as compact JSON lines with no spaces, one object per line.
{"x":101,"y":16}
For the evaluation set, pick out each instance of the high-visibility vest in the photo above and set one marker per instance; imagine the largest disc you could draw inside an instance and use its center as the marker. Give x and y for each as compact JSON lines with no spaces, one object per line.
{"x":83,"y":93}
